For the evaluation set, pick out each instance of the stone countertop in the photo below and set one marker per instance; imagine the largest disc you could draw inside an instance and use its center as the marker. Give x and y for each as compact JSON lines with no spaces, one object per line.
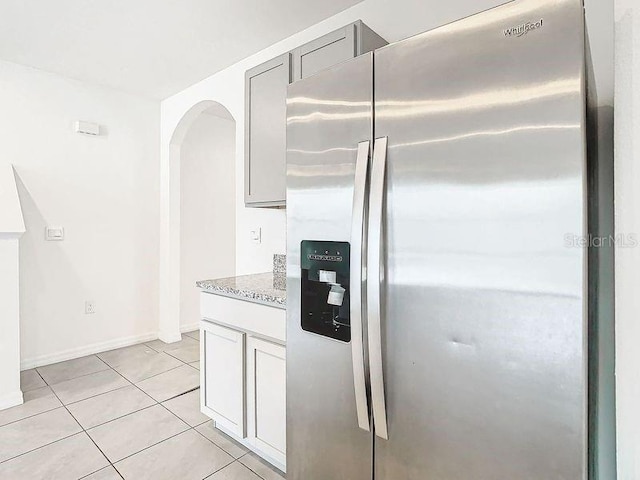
{"x":257,"y":288}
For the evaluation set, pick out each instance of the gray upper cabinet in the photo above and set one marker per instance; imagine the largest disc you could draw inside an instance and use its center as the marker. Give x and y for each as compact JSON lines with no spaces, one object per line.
{"x":265,"y":106}
{"x":265,"y":130}
{"x":335,"y":47}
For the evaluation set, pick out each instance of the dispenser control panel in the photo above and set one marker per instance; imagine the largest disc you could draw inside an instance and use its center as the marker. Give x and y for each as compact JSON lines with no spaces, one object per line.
{"x":325,"y":289}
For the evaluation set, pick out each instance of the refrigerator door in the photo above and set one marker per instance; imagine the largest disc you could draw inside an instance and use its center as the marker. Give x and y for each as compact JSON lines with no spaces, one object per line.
{"x":329,"y":127}
{"x":484,"y":286}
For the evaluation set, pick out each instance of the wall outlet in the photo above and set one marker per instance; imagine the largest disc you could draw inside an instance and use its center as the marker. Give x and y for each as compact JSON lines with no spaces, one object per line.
{"x":89,"y":307}
{"x":256,"y":235}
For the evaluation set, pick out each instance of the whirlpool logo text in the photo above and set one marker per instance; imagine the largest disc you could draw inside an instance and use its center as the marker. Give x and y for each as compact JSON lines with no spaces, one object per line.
{"x":523,"y":29}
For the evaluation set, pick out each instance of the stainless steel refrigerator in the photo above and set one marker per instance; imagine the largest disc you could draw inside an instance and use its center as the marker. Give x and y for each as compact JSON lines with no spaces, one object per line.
{"x":437,"y":276}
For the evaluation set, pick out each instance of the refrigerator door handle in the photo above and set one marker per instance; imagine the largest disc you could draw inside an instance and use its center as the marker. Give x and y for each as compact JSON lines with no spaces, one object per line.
{"x":375,"y":257}
{"x":356,"y":282}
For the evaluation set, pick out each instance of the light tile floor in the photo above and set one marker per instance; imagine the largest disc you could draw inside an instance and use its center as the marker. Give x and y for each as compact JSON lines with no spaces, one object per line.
{"x":130,"y":413}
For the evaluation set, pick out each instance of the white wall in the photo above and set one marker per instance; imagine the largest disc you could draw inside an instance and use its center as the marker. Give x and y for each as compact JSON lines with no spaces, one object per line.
{"x":627,"y":140}
{"x":207,"y":209}
{"x":104,"y":191}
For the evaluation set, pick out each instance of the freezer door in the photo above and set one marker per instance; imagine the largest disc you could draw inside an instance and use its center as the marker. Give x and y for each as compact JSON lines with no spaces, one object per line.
{"x":483,"y":288}
{"x":329,"y":127}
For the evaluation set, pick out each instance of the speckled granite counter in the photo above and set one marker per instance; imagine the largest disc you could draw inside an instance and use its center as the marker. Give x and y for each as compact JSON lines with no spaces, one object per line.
{"x":257,"y":288}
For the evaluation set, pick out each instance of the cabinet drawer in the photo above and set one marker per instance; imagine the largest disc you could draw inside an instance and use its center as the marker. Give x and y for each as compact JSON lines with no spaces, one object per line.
{"x":246,"y":316}
{"x":222,"y":364}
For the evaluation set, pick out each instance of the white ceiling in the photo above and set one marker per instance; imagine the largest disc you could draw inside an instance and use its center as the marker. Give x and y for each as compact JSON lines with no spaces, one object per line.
{"x":151,"y":47}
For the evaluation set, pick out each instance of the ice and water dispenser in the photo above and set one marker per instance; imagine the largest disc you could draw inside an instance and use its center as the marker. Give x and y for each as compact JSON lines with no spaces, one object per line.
{"x":325,"y":289}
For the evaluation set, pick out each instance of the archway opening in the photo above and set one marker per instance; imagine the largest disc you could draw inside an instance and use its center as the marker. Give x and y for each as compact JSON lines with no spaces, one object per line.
{"x":203,"y":153}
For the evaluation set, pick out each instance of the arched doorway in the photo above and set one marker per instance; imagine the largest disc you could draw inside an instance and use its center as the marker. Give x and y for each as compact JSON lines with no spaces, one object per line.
{"x":199,"y":213}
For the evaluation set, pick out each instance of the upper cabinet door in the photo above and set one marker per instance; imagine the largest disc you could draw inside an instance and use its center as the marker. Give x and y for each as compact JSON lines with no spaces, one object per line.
{"x":324,"y":52}
{"x":335,"y":47}
{"x":266,"y":113}
{"x":265,"y":127}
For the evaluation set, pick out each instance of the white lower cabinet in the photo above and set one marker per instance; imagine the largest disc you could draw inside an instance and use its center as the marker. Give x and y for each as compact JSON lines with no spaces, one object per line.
{"x":222,"y":375}
{"x":243,"y":388}
{"x":266,"y":398}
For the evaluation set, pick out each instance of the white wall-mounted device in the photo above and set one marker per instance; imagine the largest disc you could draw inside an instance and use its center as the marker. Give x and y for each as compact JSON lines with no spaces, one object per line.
{"x":87,"y":128}
{"x":256,"y":235}
{"x":52,"y":234}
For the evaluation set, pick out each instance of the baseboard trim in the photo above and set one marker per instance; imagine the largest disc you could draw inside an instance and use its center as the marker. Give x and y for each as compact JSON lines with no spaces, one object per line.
{"x":70,"y":354}
{"x":190,"y":327}
{"x":171,"y":337}
{"x":11,"y":400}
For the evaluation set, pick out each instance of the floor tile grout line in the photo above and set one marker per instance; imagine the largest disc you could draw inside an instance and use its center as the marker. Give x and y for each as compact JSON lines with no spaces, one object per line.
{"x":76,"y":378}
{"x":153,"y":445}
{"x":156,"y":374}
{"x":179,"y":359}
{"x":35,"y":414}
{"x":100,"y":469}
{"x":97,"y":355}
{"x":165,"y":351}
{"x":94,"y":396}
{"x":207,"y":438}
{"x":148,"y":346}
{"x":113,"y":464}
{"x":121,"y":416}
{"x":163,"y":406}
{"x":186,"y":334}
{"x":195,"y":428}
{"x":40,"y":375}
{"x":143,"y":344}
{"x":85,"y":431}
{"x":41,"y":446}
{"x":135,"y":385}
{"x":90,"y":437}
{"x":181,"y":394}
{"x":62,"y":405}
{"x":72,"y":378}
{"x":190,"y":428}
{"x":219,"y":469}
{"x":38,"y":448}
{"x":146,"y":378}
{"x":249,"y":468}
{"x":154,"y":351}
{"x":182,"y":335}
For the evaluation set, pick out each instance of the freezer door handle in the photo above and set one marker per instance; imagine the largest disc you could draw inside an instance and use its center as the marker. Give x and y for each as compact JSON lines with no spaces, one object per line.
{"x":375,"y":277}
{"x":356,"y":281}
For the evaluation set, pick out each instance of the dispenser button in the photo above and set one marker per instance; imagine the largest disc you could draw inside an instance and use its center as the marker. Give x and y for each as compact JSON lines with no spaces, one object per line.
{"x":327,"y":276}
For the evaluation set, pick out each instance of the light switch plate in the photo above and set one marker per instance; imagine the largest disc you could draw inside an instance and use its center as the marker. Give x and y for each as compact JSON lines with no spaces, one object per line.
{"x":54,"y":234}
{"x":256,"y":235}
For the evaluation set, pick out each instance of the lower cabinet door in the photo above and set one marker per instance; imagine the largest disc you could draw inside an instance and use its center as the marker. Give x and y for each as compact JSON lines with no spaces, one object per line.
{"x":266,"y":398}
{"x":223,"y":374}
